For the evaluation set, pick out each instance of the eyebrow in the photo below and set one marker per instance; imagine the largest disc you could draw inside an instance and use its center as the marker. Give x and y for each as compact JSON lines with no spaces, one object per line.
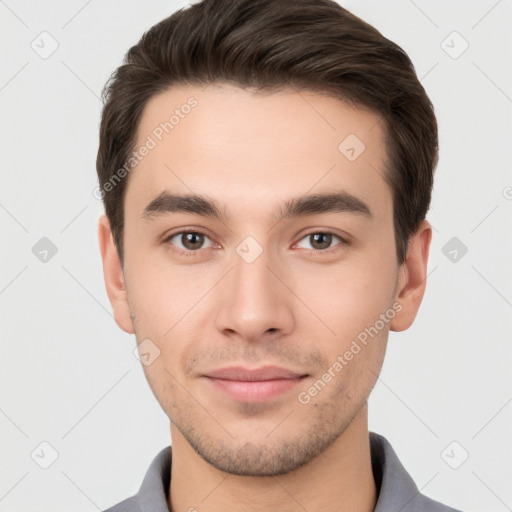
{"x":310,"y":204}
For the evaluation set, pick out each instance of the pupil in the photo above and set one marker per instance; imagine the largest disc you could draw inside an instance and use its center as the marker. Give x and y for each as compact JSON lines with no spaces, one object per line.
{"x":317,"y":238}
{"x":192,"y":240}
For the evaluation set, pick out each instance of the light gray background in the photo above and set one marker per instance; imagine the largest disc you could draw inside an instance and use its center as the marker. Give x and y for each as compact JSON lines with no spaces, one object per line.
{"x":68,"y":375}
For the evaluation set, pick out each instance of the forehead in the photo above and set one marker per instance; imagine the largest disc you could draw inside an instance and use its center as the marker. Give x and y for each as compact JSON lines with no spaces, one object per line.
{"x":254,"y":149}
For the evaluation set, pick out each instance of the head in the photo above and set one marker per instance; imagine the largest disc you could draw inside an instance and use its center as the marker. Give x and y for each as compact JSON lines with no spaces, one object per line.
{"x":266,"y":169}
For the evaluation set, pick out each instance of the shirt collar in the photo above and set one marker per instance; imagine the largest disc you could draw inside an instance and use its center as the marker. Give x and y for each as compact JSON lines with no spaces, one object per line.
{"x":396,"y":489}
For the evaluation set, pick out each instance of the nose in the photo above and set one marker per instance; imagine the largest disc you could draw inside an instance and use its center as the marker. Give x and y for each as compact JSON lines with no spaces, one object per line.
{"x":254,"y":303}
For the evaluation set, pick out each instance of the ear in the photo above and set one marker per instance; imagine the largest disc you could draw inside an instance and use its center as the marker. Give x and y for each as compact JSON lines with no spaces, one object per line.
{"x":114,"y":276}
{"x":412,"y":279}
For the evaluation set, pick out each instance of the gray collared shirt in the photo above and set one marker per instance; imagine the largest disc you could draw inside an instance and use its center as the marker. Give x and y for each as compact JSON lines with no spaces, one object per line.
{"x":397,"y":491}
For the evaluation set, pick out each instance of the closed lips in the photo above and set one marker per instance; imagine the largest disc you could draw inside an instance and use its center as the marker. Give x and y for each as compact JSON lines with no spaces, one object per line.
{"x":238,"y":373}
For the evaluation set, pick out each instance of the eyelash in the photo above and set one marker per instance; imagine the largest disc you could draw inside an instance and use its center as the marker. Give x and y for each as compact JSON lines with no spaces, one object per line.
{"x":192,"y":253}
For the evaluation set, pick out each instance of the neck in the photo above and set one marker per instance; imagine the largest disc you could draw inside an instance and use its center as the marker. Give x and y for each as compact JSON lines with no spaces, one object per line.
{"x":340,"y":479}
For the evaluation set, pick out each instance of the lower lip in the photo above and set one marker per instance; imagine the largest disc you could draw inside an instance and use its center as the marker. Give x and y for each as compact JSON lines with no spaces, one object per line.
{"x":255,"y":391}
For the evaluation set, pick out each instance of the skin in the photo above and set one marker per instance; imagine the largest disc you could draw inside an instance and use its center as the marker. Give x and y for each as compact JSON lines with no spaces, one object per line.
{"x":297,"y":305}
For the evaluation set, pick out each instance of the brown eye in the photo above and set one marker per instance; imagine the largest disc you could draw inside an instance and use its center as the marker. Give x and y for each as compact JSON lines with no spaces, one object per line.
{"x":189,"y":240}
{"x":320,"y":241}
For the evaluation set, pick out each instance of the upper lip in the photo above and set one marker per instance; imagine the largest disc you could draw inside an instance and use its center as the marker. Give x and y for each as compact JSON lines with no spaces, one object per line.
{"x":259,"y":374}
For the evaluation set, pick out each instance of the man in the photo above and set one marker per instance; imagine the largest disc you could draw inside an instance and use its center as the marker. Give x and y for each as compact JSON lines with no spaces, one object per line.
{"x":266,"y":168}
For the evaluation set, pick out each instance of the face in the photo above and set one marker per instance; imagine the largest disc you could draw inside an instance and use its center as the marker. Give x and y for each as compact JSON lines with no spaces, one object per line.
{"x":265,"y":308}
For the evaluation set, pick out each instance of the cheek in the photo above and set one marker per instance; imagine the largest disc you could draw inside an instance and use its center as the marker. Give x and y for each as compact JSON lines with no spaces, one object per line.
{"x":171,"y":306}
{"x":161,"y":295}
{"x":347,"y":299}
{"x":163,"y":382}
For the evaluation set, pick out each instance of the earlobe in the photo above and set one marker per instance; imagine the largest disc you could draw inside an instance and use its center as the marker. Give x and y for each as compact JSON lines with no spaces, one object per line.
{"x":113,"y":276}
{"x":413,"y":278}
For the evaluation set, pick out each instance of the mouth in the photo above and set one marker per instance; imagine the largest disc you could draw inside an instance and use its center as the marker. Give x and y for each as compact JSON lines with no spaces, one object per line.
{"x":253,"y":385}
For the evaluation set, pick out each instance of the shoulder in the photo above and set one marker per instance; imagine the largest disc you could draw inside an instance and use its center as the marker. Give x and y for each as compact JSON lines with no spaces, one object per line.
{"x":152,"y":495}
{"x":397,"y":490}
{"x":127,"y":505}
{"x":426,"y":504}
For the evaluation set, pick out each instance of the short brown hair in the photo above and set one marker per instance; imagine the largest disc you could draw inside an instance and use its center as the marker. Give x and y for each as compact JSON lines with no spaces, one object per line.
{"x":270,"y":45}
